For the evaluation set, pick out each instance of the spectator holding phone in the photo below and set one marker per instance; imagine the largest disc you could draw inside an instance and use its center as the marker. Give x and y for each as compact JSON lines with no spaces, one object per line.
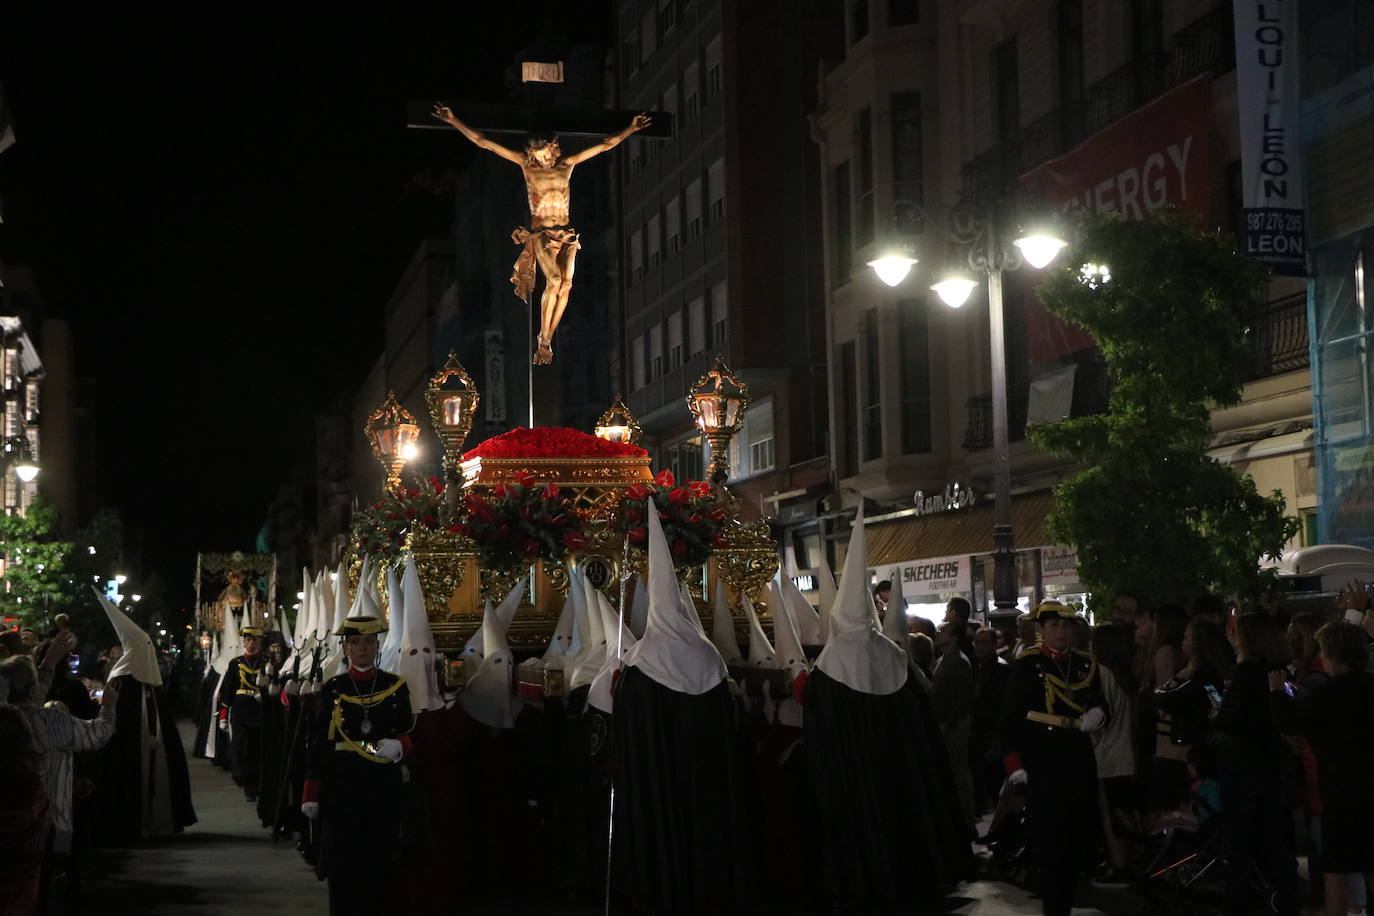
{"x":1338,"y":718}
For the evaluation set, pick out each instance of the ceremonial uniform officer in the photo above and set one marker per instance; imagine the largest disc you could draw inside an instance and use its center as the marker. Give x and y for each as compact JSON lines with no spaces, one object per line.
{"x":1054,"y":700}
{"x":353,"y":774}
{"x":240,"y":706}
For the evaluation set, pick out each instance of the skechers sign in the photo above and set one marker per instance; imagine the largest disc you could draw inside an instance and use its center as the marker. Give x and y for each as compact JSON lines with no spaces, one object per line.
{"x":955,"y":496}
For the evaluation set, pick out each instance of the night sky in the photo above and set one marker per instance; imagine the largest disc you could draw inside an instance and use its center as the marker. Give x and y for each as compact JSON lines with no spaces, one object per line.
{"x":221,"y":207}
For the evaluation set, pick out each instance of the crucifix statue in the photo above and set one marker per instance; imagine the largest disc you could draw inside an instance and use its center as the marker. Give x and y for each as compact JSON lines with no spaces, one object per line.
{"x":549,"y":242}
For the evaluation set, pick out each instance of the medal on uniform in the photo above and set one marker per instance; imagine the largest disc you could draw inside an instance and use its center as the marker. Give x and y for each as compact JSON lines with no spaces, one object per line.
{"x":366,"y":727}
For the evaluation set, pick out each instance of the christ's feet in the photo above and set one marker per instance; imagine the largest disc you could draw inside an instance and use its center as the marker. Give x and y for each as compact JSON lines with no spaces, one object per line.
{"x":543,"y":354}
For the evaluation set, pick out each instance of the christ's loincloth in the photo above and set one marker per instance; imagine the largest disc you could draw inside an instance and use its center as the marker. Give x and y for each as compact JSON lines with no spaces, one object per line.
{"x":552,"y":239}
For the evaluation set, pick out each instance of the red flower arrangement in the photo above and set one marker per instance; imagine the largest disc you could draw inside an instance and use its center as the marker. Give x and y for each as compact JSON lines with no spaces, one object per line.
{"x":552,"y":442}
{"x":382,"y":527}
{"x":520,"y":523}
{"x":693,"y":519}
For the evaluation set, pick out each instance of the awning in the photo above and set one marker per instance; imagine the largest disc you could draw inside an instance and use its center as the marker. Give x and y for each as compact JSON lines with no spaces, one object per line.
{"x":958,"y":533}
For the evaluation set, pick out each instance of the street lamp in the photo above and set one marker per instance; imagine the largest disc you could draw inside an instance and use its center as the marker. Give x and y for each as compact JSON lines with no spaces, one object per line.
{"x":617,"y":424}
{"x":19,"y":455}
{"x":120,"y":578}
{"x":392,"y":430}
{"x":718,"y":402}
{"x":978,"y":226}
{"x":452,"y":398}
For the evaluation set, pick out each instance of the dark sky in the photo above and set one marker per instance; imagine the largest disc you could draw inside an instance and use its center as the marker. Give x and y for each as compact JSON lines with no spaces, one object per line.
{"x":221,"y":207}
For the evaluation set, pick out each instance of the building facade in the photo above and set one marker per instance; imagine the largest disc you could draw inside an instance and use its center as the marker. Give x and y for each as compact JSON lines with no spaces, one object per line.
{"x":1116,"y":106}
{"x":721,"y":238}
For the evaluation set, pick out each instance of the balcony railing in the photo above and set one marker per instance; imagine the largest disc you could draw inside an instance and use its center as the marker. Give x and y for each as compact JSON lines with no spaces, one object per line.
{"x":1205,"y":45}
{"x":1090,"y":397}
{"x":1278,"y":337}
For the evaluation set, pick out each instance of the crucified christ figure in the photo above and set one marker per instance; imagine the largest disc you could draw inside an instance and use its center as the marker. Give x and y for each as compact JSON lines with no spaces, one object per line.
{"x":549,"y":241}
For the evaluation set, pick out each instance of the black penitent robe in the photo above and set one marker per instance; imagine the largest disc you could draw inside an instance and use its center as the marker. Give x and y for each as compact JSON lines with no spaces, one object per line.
{"x":890,"y":821}
{"x":679,"y":797}
{"x":121,"y":794}
{"x":206,"y":704}
{"x":273,"y":748}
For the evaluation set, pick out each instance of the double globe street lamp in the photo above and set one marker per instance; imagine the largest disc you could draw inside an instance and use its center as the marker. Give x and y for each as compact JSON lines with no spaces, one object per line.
{"x":983,"y":227}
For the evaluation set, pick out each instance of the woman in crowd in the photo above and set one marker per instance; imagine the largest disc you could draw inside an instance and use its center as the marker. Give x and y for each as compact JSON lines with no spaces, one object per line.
{"x":1113,"y":645}
{"x":23,"y":814}
{"x":1255,"y":763}
{"x":1167,"y":656}
{"x":1338,"y":718}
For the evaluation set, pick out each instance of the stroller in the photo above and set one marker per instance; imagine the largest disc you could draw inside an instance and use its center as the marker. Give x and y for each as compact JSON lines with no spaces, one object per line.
{"x":1185,"y":875}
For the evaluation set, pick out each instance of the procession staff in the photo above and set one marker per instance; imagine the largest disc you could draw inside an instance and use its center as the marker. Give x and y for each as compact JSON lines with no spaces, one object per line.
{"x":353,"y":776}
{"x":1054,"y":700}
{"x":240,"y":707}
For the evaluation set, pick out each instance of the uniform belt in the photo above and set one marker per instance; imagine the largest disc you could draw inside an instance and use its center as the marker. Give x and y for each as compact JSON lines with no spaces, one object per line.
{"x":244,"y":692}
{"x":369,"y":749}
{"x":1046,"y":718}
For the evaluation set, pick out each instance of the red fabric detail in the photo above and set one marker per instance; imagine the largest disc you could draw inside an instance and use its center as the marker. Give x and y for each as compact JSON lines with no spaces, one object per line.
{"x":1057,"y":656}
{"x":1012,"y":763}
{"x":407,"y":746}
{"x":799,"y":685}
{"x":552,"y":442}
{"x":361,"y":675}
{"x":311,"y":792}
{"x":615,"y":679}
{"x":223,"y":713}
{"x":285,"y":700}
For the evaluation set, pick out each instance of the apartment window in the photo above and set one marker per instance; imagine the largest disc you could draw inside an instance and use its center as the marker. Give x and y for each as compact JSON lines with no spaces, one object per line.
{"x":636,"y":256}
{"x":672,"y":217}
{"x":908,"y":165}
{"x":715,"y":187}
{"x":691,"y":86}
{"x":686,"y":458}
{"x":846,"y":428}
{"x":1071,"y":79}
{"x":915,"y":376}
{"x":675,"y":340}
{"x":11,"y":367}
{"x":1007,"y":91}
{"x":696,"y":326}
{"x":863,"y":231}
{"x":637,"y":362}
{"x":713,"y":68}
{"x":752,"y":449}
{"x":670,"y":100}
{"x":694,"y":210}
{"x":858,"y":21}
{"x":843,"y":230}
{"x":873,"y":388}
{"x":655,"y":229}
{"x":648,"y":35}
{"x":629,"y":63}
{"x":719,"y":309}
{"x":667,"y":16}
{"x":636,"y":160}
{"x":31,"y":400}
{"x":903,"y":12}
{"x":656,"y":351}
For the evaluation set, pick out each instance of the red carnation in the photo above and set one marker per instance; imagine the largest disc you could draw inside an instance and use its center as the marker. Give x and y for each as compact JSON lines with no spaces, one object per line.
{"x":529,"y":546}
{"x":665,"y":478}
{"x":501,"y":491}
{"x":679,"y":547}
{"x":679,"y":497}
{"x":718,"y":540}
{"x":427,"y":521}
{"x":637,"y":492}
{"x":573,"y":540}
{"x":412,"y":493}
{"x":434,"y":482}
{"x":634,"y":515}
{"x":526,"y":480}
{"x":716,"y":515}
{"x":550,"y":491}
{"x":699,"y":488}
{"x":636,"y":535}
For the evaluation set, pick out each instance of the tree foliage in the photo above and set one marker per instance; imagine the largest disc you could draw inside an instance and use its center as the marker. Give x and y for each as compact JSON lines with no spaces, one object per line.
{"x":1153,"y":514}
{"x":36,"y":576}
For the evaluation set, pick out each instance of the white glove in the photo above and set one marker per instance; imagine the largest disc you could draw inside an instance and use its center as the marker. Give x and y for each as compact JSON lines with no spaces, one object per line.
{"x":1093,"y":720}
{"x":390,"y":748}
{"x":224,"y":725}
{"x":310,"y":809}
{"x":293,"y":688}
{"x":1018,"y":778}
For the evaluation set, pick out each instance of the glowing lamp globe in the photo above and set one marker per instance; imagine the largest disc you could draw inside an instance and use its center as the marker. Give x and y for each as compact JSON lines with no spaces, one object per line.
{"x":1040,"y":248}
{"x":892,"y":267}
{"x":954,"y":291}
{"x":26,"y":470}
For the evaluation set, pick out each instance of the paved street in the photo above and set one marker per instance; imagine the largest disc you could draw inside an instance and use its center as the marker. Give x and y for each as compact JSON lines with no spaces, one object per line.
{"x":227,"y":865}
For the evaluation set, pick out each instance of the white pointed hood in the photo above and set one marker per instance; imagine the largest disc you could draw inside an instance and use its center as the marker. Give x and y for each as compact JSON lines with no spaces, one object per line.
{"x":416,"y":663}
{"x":673,"y":652}
{"x":230,"y":643}
{"x":562,"y":647}
{"x":587,"y":664}
{"x":723,"y":628}
{"x":472,"y":649}
{"x":639,"y":607}
{"x":139,"y":660}
{"x":807,"y":621}
{"x":787,"y":640}
{"x":857,"y":655}
{"x":489,"y":696}
{"x":619,"y":640}
{"x":827,"y":598}
{"x":396,"y":620}
{"x":761,"y":653}
{"x":689,"y":604}
{"x":894,"y":618}
{"x":329,"y":592}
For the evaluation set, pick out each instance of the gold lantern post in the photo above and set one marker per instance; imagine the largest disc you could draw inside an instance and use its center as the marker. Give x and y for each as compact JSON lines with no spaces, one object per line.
{"x":718,"y":402}
{"x":393,"y":432}
{"x":452,"y":397}
{"x":617,"y":424}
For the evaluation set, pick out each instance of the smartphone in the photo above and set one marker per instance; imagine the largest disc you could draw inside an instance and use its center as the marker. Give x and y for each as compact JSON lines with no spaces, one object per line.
{"x":1213,"y":695}
{"x":97,"y":694}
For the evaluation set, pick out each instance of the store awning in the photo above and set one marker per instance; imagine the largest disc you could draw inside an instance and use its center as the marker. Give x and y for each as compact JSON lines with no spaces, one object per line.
{"x":957,"y":533}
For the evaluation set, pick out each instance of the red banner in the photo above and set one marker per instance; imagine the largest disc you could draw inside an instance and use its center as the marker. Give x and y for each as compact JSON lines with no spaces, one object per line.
{"x":1155,"y":156}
